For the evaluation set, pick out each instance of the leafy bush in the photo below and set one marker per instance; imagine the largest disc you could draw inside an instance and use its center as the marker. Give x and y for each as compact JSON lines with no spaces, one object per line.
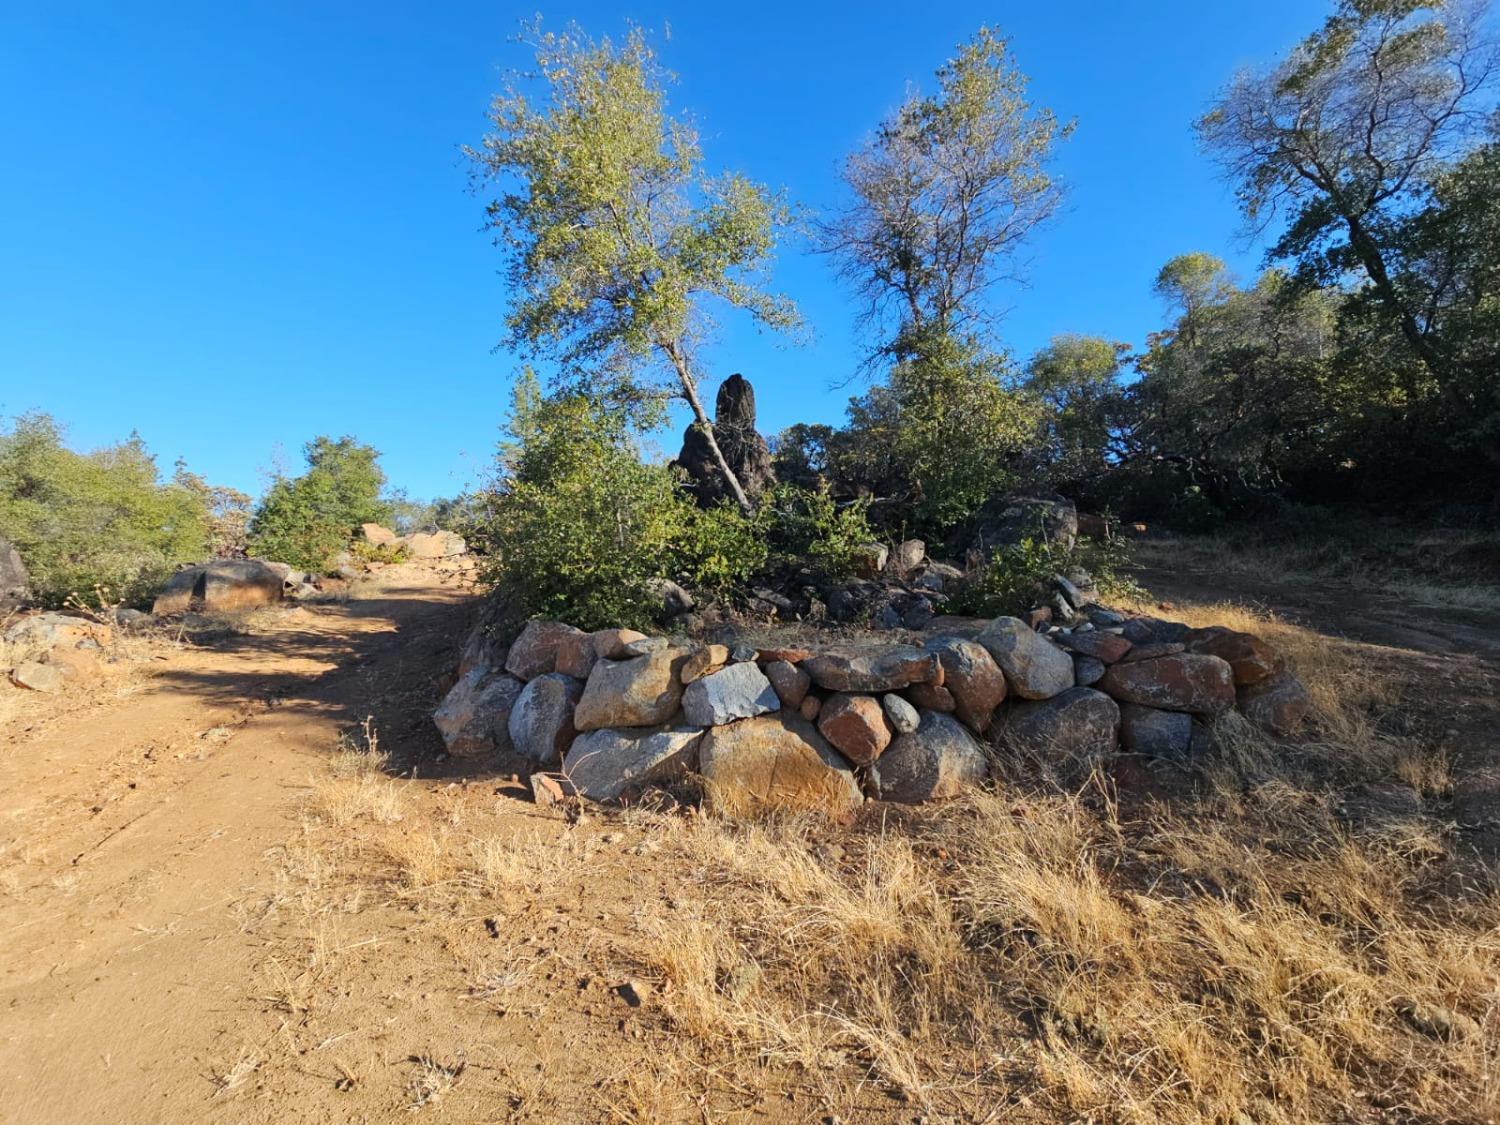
{"x":100,"y":520}
{"x":1017,"y":577}
{"x":806,"y":527}
{"x":720,"y":548}
{"x":365,"y":551}
{"x":309,"y":520}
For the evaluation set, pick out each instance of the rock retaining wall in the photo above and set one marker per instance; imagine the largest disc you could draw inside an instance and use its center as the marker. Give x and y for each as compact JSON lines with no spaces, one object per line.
{"x":825,"y":726}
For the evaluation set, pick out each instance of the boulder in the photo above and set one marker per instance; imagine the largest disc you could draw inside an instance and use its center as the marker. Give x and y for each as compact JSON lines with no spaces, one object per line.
{"x":789,"y":682}
{"x":603,"y":764}
{"x":1151,"y":652}
{"x":871,"y":559}
{"x":1034,"y":667}
{"x":534,"y":652}
{"x":809,"y":707}
{"x":671,"y":599}
{"x":1078,"y":727}
{"x":972,"y":678}
{"x":1279,"y":705}
{"x":1250,"y":658}
{"x":709,"y":658}
{"x":15,"y":583}
{"x":939,"y":759}
{"x":375,"y":534}
{"x":1107,"y":648}
{"x":872,"y":668}
{"x":41,"y":633}
{"x":854,"y":726}
{"x":1155,"y":733}
{"x":223,"y":586}
{"x":776,"y":762}
{"x":474,"y":717}
{"x":1087,"y":671}
{"x":931,"y":697}
{"x":1038,"y":516}
{"x":908,"y":555}
{"x":738,"y":691}
{"x":541,"y":719}
{"x":643,"y":691}
{"x":1202,"y":685}
{"x":436,"y":545}
{"x":575,"y":655}
{"x":746,"y":452}
{"x":610,"y":644}
{"x":35,"y":676}
{"x":900,"y":714}
{"x":1153,"y":631}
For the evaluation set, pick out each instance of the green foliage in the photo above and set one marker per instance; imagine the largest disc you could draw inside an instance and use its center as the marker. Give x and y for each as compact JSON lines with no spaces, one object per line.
{"x":228,"y":513}
{"x":1017,"y":577}
{"x":363,"y":550}
{"x":1076,"y":379}
{"x":309,"y":520}
{"x":941,"y":435}
{"x":104,"y":519}
{"x":718,"y":549}
{"x":806,"y":527}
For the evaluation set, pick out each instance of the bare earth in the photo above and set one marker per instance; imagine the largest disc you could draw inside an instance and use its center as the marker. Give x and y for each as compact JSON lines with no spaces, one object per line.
{"x":178,"y":942}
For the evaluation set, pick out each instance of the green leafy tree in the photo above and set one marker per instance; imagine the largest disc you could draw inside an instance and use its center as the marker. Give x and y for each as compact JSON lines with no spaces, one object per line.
{"x":310,"y":519}
{"x":1076,"y":379}
{"x":1345,"y":135}
{"x":943,"y":197}
{"x":616,"y":240}
{"x":100,"y":521}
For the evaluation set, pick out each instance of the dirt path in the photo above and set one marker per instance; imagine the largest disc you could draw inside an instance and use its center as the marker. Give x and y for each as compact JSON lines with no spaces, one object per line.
{"x":134,"y":832}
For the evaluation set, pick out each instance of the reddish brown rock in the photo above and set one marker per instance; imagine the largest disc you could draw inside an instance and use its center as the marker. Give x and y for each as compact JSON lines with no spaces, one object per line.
{"x":931,"y":697}
{"x":1036,"y":618}
{"x":609,"y":644}
{"x":790,"y":655}
{"x":855,"y":726}
{"x":809,"y":707}
{"x":576,"y":655}
{"x":776,"y":762}
{"x":709,"y":658}
{"x":534,"y":652}
{"x":789,"y":682}
{"x":1202,"y":685}
{"x":1250,"y":657}
{"x":1279,"y":705}
{"x":972,"y":678}
{"x":1107,"y":648}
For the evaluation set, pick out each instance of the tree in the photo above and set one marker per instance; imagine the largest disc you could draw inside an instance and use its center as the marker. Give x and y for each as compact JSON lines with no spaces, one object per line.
{"x":228,"y":511}
{"x":1346,"y":133}
{"x":616,"y":240}
{"x":1077,"y":380}
{"x":308,"y":520}
{"x":93,"y":521}
{"x":1190,"y":283}
{"x":944,"y":195}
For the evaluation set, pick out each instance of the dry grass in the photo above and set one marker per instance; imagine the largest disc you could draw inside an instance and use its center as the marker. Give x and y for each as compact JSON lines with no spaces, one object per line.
{"x":1227,"y":951}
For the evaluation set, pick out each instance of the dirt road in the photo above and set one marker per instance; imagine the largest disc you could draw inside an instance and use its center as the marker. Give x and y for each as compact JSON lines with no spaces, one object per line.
{"x":135,"y":831}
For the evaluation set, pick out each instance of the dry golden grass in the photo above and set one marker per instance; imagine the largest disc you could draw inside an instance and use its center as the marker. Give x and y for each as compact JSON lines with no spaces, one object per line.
{"x":1226,"y":952}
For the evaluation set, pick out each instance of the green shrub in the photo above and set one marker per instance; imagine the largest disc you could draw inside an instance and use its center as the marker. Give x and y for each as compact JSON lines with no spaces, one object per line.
{"x":100,"y":521}
{"x":1017,"y":577}
{"x":719,"y":549}
{"x":364,"y":551}
{"x":310,"y":520}
{"x":806,"y":527}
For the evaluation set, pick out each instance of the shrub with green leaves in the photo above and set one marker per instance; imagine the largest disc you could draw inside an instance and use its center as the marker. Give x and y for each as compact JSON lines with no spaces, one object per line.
{"x":806,"y":527}
{"x":94,"y":522}
{"x":1016,"y":578}
{"x":309,"y":520}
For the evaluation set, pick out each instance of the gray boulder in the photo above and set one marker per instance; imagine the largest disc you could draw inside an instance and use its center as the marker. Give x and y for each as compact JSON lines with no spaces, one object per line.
{"x":1078,"y":727}
{"x":541,"y":720}
{"x":940,"y":759}
{"x":1154,"y":733}
{"x":737,"y":691}
{"x":903,"y":717}
{"x":224,"y":586}
{"x":603,"y":764}
{"x":1039,"y":516}
{"x":872,"y":668}
{"x":1034,"y":667}
{"x":474,"y":717}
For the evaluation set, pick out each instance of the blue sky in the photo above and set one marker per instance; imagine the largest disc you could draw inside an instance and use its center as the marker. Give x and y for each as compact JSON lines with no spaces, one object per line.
{"x":233,"y":226}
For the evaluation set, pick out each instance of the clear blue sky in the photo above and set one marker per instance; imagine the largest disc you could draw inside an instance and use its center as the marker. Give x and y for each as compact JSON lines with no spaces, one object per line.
{"x":232,"y":226}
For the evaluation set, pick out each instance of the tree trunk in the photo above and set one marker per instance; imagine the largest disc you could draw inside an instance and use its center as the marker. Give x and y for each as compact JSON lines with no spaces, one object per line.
{"x":690,"y":392}
{"x":1369,"y":256}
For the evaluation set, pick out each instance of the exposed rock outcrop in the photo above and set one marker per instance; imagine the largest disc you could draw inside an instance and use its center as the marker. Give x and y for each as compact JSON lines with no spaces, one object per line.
{"x":743,"y":447}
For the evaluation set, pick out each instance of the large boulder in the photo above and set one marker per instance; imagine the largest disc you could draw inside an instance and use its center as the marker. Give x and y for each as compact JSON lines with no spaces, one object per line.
{"x":643,"y":691}
{"x":738,"y":691}
{"x":939,"y":759}
{"x":789,"y":682}
{"x":776,"y":762}
{"x":541,"y":720}
{"x":744,"y":449}
{"x":376,"y":535}
{"x":223,"y":586}
{"x":1187,"y":681}
{"x":1039,"y":516}
{"x":603,"y":764}
{"x":1154,"y":733}
{"x":1279,"y":705}
{"x":1034,"y":667}
{"x":15,"y":583}
{"x":1249,"y":657}
{"x":972,"y":678}
{"x":534,"y":652}
{"x":872,"y":668}
{"x":855,"y":726}
{"x":436,"y":545}
{"x":1078,"y":727}
{"x":42,"y":633}
{"x":474,"y":717}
